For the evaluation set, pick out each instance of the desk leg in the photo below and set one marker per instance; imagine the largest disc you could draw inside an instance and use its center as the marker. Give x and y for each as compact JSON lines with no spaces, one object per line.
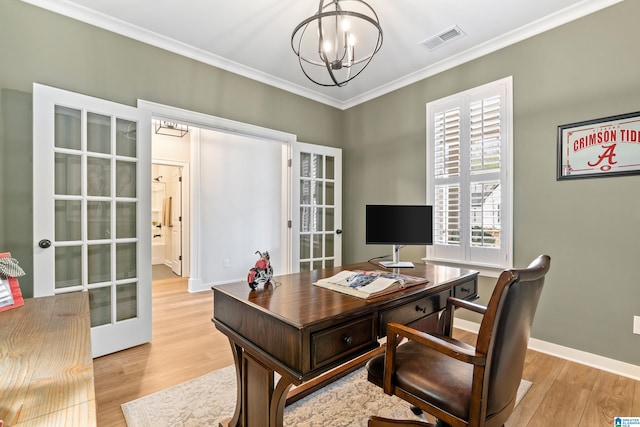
{"x":258,"y":402}
{"x":234,"y":421}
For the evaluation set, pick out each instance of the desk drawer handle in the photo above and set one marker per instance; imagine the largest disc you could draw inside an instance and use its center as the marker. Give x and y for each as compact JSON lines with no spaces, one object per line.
{"x":348,"y":340}
{"x":466,"y":290}
{"x":422,"y":309}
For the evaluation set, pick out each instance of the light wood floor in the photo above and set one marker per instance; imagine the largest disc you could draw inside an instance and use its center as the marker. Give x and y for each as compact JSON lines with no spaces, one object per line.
{"x":186,"y":345}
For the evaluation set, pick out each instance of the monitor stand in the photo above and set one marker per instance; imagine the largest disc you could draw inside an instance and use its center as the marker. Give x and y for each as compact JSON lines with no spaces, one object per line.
{"x":396,"y":263}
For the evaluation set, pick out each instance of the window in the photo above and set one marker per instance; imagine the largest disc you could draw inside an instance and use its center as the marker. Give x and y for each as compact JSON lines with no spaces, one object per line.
{"x":469,"y":184}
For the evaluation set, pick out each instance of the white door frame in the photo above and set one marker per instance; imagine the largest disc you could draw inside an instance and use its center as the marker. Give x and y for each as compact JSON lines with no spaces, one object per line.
{"x":201,"y":120}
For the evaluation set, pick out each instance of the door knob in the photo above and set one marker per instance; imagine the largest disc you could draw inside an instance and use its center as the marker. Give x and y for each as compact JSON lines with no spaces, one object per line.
{"x":338,"y":231}
{"x":44,"y":243}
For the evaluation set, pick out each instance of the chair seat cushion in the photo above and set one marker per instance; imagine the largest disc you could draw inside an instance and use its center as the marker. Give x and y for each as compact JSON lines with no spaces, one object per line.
{"x":430,"y":376}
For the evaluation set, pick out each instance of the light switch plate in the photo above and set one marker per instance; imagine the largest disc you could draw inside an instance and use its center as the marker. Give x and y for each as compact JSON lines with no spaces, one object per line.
{"x":636,"y":325}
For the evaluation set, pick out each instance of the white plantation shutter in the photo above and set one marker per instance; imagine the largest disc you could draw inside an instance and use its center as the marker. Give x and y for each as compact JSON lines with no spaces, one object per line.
{"x":468,"y":176}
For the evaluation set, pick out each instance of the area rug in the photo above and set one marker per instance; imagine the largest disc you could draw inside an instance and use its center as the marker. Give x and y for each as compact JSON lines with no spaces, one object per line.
{"x":205,"y":401}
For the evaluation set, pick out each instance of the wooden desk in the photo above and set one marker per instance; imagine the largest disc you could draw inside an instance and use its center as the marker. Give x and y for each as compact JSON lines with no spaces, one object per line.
{"x":301,"y":331}
{"x":46,"y":369}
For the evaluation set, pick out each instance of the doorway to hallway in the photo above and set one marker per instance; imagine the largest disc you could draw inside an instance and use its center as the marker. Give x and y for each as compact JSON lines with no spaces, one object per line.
{"x":166,"y":219}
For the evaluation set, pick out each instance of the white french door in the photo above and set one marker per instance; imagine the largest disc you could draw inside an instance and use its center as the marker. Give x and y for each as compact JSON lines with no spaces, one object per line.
{"x":317,"y":201}
{"x":92,"y":180}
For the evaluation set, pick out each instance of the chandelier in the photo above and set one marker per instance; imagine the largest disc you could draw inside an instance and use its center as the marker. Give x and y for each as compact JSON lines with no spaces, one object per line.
{"x":338,"y":42}
{"x":164,"y":127}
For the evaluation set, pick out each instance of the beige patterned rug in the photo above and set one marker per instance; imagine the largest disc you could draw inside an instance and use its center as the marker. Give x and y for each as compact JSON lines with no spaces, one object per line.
{"x":206,"y":400}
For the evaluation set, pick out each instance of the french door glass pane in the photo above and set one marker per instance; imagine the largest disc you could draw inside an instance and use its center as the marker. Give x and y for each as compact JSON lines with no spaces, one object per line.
{"x":305,"y":165}
{"x":99,"y":263}
{"x":330,"y":166}
{"x":126,"y":301}
{"x":317,"y":246}
{"x":67,"y":128}
{"x":68,"y":266}
{"x":126,"y":135}
{"x":317,"y":170}
{"x":98,"y":177}
{"x":126,"y":261}
{"x":67,"y":174}
{"x":126,"y":220}
{"x":125,"y":179}
{"x":330,"y":192}
{"x":317,"y":224}
{"x":67,"y":220}
{"x":305,"y":192}
{"x":329,"y":219}
{"x":98,"y":133}
{"x":329,"y":242}
{"x":98,"y":220}
{"x":305,"y":219}
{"x":305,"y":246}
{"x":318,"y":195}
{"x":100,"y":306}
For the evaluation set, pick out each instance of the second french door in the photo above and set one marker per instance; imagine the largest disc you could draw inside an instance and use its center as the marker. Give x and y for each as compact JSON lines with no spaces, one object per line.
{"x":317,"y":201}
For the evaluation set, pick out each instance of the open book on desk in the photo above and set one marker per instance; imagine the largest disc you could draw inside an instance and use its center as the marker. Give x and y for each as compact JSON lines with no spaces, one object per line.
{"x":369,"y":284}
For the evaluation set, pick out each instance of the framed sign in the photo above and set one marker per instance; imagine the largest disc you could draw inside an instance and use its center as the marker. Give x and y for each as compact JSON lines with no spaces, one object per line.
{"x":602,"y":147}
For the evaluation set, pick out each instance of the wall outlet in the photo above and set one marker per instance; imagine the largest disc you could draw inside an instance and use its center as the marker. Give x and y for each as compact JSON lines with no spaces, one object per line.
{"x":225,"y":263}
{"x":636,"y":325}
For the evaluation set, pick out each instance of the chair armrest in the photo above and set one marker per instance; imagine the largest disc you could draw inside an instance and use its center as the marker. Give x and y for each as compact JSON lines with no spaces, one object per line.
{"x":395,"y":330}
{"x":460,"y":303}
{"x":460,"y":353}
{"x":452,"y":304}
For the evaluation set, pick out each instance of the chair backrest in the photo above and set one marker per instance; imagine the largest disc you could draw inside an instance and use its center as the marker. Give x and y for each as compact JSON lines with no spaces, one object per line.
{"x":505,"y":330}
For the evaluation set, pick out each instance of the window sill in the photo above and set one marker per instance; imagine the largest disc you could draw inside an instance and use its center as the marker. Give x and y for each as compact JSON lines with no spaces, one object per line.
{"x":492,"y":271}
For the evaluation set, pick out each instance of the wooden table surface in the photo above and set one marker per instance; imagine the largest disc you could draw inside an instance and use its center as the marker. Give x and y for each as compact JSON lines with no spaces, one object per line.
{"x":46,"y":369}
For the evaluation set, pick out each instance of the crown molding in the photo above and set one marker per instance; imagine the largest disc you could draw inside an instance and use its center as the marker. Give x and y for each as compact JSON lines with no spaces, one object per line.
{"x":100,"y":20}
{"x":81,"y":13}
{"x":547,"y":23}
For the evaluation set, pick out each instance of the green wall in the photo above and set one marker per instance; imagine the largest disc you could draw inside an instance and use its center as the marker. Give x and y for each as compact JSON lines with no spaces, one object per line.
{"x":40,"y":46}
{"x":583,"y":70}
{"x":586,"y":69}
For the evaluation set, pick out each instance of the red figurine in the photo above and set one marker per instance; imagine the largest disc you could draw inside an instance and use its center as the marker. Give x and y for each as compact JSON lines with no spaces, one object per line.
{"x":262,"y":272}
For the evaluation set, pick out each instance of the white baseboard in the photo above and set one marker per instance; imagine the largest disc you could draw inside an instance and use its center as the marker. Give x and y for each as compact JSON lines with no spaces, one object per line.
{"x":599,"y":362}
{"x":196,"y":285}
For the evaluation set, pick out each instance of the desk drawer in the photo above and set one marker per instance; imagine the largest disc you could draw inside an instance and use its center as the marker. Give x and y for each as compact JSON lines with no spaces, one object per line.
{"x":336,"y":342}
{"x":414,"y":310}
{"x":465,"y":290}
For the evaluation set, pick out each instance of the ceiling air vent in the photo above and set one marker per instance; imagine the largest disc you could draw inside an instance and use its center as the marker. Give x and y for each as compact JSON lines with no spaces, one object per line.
{"x":446,"y":36}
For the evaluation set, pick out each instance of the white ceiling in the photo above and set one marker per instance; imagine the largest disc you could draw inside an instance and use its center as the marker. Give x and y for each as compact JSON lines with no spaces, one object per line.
{"x":253,"y":37}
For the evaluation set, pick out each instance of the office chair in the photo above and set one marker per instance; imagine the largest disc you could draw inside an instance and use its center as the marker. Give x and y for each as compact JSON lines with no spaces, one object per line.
{"x":458,"y":384}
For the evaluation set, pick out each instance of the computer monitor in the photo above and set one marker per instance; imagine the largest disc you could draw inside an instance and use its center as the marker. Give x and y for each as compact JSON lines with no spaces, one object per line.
{"x":399,"y":225}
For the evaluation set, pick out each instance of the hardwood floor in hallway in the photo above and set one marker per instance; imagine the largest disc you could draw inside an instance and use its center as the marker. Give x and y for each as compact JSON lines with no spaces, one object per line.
{"x":186,"y":345}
